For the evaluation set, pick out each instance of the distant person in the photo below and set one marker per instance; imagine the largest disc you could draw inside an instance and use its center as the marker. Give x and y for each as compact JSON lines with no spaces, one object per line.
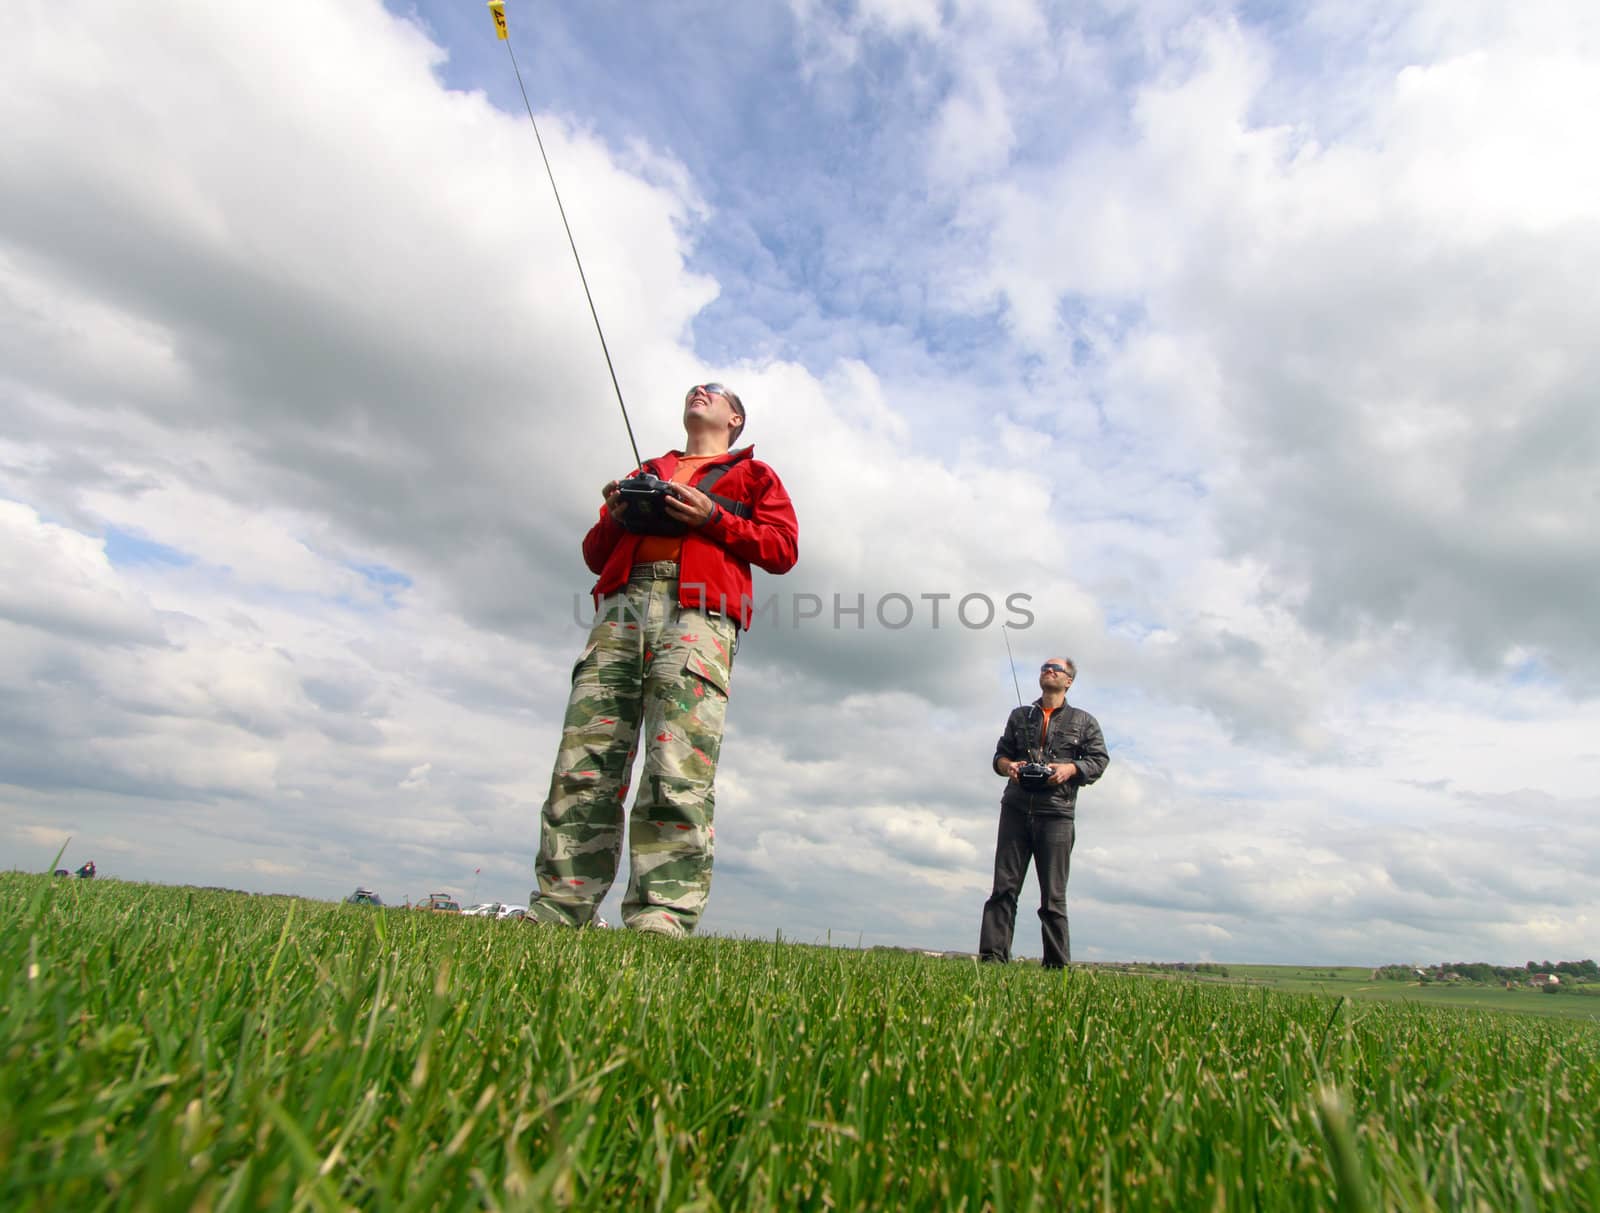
{"x":1037,"y":810}
{"x":86,"y":872}
{"x":669,"y":609}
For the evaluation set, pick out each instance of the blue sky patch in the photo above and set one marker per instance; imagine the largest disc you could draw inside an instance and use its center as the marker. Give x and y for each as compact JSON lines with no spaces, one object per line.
{"x":125,"y":549}
{"x":389,"y":582}
{"x":382,"y":575}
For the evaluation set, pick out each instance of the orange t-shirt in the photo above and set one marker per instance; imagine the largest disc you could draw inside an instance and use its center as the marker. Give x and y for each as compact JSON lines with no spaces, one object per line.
{"x":1044,"y":729}
{"x":670,"y":547}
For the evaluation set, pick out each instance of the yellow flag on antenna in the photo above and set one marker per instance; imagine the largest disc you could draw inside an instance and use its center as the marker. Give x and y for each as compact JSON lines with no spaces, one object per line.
{"x":498,"y":8}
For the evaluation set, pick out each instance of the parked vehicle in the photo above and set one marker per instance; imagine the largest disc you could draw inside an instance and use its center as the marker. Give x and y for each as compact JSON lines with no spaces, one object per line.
{"x":487,"y":909}
{"x":439,"y":903}
{"x":512,"y":912}
{"x":364,"y":897}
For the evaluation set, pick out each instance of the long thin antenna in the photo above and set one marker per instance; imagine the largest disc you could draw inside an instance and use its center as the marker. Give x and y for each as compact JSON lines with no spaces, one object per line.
{"x":582,"y":277}
{"x":1013,"y":662}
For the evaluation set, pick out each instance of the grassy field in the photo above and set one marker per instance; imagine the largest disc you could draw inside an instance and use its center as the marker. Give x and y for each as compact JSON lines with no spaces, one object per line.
{"x":1348,"y":982}
{"x":175,"y":1049}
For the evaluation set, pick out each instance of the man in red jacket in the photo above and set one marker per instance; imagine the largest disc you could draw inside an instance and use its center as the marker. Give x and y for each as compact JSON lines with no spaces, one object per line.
{"x":669,"y":607}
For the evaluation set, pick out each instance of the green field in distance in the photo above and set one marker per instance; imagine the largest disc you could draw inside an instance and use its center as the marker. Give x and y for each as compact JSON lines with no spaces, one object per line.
{"x":1357,"y":982}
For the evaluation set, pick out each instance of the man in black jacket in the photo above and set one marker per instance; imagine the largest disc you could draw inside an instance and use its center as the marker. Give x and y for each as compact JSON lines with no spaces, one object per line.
{"x":1036,"y":811}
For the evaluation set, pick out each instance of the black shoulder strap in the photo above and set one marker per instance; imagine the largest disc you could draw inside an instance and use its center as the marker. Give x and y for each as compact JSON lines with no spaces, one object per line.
{"x":716,"y":473}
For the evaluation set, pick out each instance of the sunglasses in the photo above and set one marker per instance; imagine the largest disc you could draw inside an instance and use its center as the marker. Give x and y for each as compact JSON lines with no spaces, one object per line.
{"x":711,"y":389}
{"x":1051,"y":667}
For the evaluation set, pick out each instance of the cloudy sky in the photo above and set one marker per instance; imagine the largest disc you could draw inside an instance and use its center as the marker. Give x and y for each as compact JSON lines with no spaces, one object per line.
{"x":1254,"y":344}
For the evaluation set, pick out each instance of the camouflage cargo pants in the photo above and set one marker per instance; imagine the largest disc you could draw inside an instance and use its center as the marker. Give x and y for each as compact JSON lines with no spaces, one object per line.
{"x":649,"y":664}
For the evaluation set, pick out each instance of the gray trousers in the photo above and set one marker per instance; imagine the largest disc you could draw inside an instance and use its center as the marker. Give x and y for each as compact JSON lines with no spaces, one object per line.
{"x":1047,"y":841}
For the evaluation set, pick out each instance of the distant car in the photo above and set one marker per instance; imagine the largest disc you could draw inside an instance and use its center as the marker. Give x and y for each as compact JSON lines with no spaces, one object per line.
{"x":512,"y":912}
{"x":440,"y":903}
{"x":487,"y":909}
{"x":364,"y":897}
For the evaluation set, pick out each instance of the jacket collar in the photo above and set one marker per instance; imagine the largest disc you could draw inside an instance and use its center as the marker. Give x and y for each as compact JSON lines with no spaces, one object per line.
{"x":667,"y":463}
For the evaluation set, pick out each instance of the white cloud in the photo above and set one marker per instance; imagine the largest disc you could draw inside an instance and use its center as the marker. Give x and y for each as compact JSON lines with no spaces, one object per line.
{"x":263,"y":867}
{"x":901,"y":16}
{"x":974,"y":132}
{"x":920,"y":837}
{"x":1383,"y":327}
{"x":52,"y":577}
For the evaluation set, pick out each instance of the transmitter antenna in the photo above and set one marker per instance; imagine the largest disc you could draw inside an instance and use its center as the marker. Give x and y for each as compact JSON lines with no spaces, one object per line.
{"x":498,"y":8}
{"x":1013,"y":662}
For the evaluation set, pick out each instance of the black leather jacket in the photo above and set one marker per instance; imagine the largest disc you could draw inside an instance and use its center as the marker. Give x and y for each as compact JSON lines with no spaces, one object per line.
{"x":1074,"y":737}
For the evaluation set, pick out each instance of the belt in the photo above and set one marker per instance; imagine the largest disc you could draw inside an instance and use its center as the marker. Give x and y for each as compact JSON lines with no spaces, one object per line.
{"x":655,"y":570}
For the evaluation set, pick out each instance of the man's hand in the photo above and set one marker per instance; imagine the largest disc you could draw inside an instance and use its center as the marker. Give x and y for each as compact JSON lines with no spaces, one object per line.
{"x":689,"y":505}
{"x":1009,"y":767}
{"x":1060,"y":772}
{"x":613,"y":496}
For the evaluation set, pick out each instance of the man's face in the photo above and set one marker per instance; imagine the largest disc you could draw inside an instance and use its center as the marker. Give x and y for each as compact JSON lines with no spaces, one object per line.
{"x":1055,"y":675}
{"x":709,"y":405}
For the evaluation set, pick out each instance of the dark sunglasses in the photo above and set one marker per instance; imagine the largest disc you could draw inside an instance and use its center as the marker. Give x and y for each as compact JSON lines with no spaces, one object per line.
{"x":711,"y":389}
{"x":1051,"y":667}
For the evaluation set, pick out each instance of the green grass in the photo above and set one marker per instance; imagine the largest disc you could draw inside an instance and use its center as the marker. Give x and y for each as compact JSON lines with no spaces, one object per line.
{"x":1358,"y":983}
{"x":172,"y":1049}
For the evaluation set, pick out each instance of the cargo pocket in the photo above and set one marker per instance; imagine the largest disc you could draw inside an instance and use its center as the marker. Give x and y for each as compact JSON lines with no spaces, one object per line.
{"x":690,"y":703}
{"x":586,"y":667}
{"x":711,"y":669}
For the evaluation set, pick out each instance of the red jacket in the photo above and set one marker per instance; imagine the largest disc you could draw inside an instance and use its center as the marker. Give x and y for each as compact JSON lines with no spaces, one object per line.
{"x":714,"y":568}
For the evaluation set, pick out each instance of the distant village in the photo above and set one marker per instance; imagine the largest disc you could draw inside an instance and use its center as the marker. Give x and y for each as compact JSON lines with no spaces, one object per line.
{"x":1575,"y":976}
